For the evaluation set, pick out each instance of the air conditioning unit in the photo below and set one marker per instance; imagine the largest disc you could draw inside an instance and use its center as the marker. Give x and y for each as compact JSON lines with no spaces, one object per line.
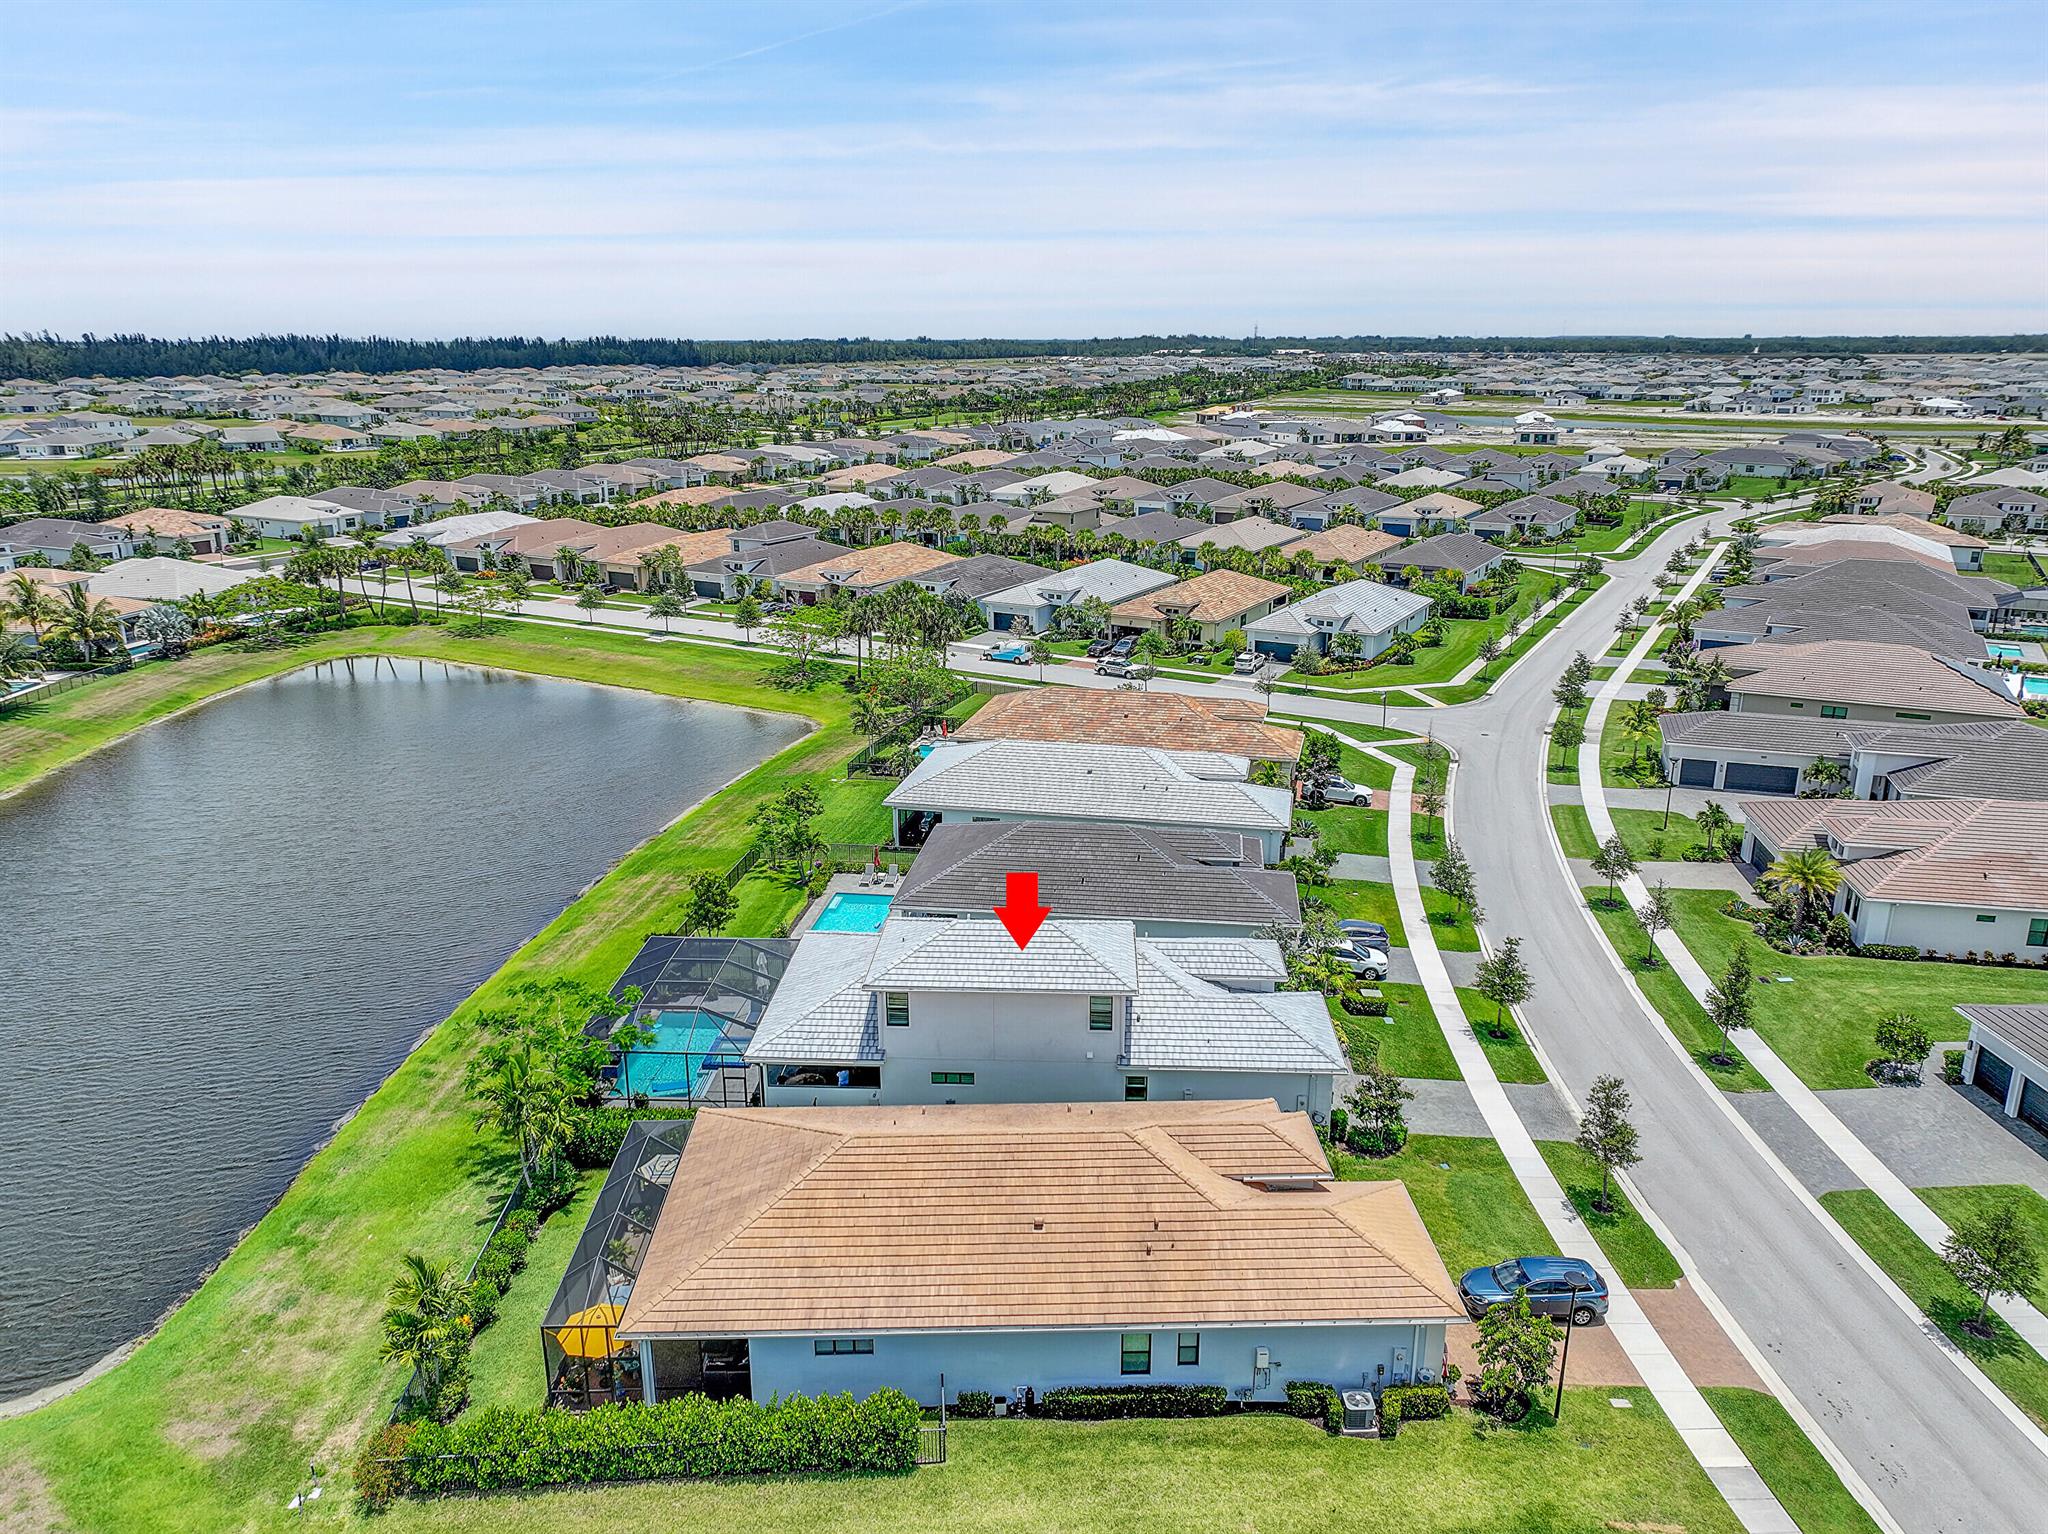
{"x":1361,"y":1415}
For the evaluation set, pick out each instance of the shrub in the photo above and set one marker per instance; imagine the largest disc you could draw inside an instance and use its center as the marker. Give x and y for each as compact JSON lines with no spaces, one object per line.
{"x":1314,"y":1401}
{"x":595,"y":1134}
{"x":974,"y":1403}
{"x":484,"y":1295}
{"x":1888,"y":951}
{"x":552,"y":1186}
{"x":1952,"y":1066}
{"x":505,"y":1448}
{"x":380,"y":1468}
{"x":1416,"y":1403}
{"x":1364,"y":1006}
{"x":1103,"y":1403}
{"x":1340,"y":1125}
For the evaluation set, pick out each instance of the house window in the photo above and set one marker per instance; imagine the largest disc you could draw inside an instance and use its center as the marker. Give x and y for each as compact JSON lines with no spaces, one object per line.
{"x":1983,"y":916}
{"x":1798,"y":705}
{"x":1834,"y":711}
{"x":1902,"y":714}
{"x":1137,"y":1352}
{"x":952,"y":1078}
{"x":1101,"y":1012}
{"x":1134,"y":1089}
{"x":839,"y":1347}
{"x":2037,"y":932}
{"x":896,"y":1008}
{"x":1190,"y":1351}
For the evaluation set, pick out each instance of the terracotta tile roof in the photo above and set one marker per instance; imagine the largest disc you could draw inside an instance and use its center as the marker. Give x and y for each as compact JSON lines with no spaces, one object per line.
{"x":877,"y":565}
{"x":860,"y":474}
{"x":168,"y":522}
{"x":1211,"y":597}
{"x":1169,"y":721}
{"x":1346,"y":543}
{"x":688,"y":495}
{"x":1899,"y":521}
{"x":693,"y":548}
{"x":974,"y":458}
{"x":1113,"y":1215}
{"x":1988,"y":854}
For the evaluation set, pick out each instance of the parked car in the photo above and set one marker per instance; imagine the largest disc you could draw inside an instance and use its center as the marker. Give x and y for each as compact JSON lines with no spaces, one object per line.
{"x":1360,"y":959}
{"x":1113,"y":665}
{"x":1015,"y":654}
{"x":1369,"y":933}
{"x":1557,"y":1286}
{"x":1097,"y":648}
{"x":1124,"y":646}
{"x":1248,"y":663}
{"x":1335,"y":788}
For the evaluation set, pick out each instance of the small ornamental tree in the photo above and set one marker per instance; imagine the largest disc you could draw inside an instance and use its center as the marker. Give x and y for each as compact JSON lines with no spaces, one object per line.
{"x":1377,"y":1127}
{"x":1656,"y":915}
{"x":1516,"y":1349}
{"x":590,"y":598}
{"x":1042,"y":653}
{"x":1503,"y":979}
{"x":1606,"y":1135}
{"x":1902,"y":1046}
{"x":667,"y":607}
{"x":1567,"y":735}
{"x":1990,"y":1253}
{"x":1321,"y":754}
{"x":1731,"y":1004}
{"x":746,"y":612}
{"x":1614,"y":862}
{"x":1452,"y":875}
{"x":1714,"y":823}
{"x":710,"y":903}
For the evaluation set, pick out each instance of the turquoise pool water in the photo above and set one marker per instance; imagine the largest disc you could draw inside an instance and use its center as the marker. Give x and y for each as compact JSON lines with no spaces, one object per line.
{"x":853,"y":913}
{"x":1999,"y":651}
{"x":686,"y":1045}
{"x":2034,"y":687}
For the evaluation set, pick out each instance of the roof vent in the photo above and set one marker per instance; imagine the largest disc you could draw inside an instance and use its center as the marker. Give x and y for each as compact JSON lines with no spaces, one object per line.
{"x":1038,"y":1225}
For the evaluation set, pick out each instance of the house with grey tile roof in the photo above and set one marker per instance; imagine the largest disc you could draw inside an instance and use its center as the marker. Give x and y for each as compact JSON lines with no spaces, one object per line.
{"x":935,"y":1010}
{"x":1040,"y":601}
{"x":1002,"y":780}
{"x":1370,"y":613}
{"x":1182,"y":882}
{"x":1469,"y":559}
{"x":1532,"y":516}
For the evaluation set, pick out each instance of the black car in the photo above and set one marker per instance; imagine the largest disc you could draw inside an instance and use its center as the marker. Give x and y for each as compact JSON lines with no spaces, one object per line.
{"x":1370,"y":933}
{"x":1100,"y":647}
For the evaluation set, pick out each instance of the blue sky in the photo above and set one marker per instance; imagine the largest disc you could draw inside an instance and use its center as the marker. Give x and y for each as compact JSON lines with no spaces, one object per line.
{"x":958,"y":168}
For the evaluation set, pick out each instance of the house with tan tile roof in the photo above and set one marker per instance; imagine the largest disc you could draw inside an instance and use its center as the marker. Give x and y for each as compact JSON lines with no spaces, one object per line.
{"x":1345,"y":548}
{"x":1214,"y":602}
{"x":1941,"y":875}
{"x":859,"y":571}
{"x":1167,"y":721}
{"x":166,"y":525}
{"x":1864,"y":681}
{"x":820,"y":1250}
{"x":632,"y":567}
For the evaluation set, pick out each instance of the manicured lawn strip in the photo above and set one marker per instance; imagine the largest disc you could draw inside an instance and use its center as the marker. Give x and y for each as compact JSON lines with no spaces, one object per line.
{"x":1953,"y":1204}
{"x":1352,"y":828}
{"x":1824,"y":1022}
{"x":1681,"y":1010}
{"x":1642,"y":1260}
{"x":272,"y":1363}
{"x":2004,"y":1357}
{"x":1408,"y":1040}
{"x":1513,"y":1059}
{"x":1364,"y":734}
{"x":505,"y":1361}
{"x":1804,"y":1483}
{"x":1643,"y":832}
{"x":1606,"y":1469}
{"x":2014,"y":569}
{"x":1411,"y":752}
{"x":1465,"y":1192}
{"x":1361,"y":900}
{"x":1574,"y":830}
{"x":1623,"y":762}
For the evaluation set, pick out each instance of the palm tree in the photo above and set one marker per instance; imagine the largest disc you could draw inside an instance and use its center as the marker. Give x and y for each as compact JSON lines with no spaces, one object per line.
{"x":1808,"y":875}
{"x":86,"y":621}
{"x":1714,"y":823}
{"x":27,"y":600}
{"x":18,"y":658}
{"x":429,"y":1317}
{"x":522,"y":1094}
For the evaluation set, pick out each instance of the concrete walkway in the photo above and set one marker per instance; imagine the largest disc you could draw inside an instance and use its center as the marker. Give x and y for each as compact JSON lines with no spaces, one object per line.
{"x":1701,"y":1431}
{"x":1838,"y":1139}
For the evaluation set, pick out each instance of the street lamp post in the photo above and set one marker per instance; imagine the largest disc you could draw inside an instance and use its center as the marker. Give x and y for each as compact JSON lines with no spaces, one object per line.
{"x":1564,"y":1361}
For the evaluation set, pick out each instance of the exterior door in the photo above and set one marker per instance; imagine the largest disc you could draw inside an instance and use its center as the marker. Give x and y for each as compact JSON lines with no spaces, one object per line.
{"x":1994,"y":1074}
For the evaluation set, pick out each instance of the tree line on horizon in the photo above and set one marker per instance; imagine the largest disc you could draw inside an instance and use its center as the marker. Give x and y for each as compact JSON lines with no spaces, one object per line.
{"x":49,"y":357}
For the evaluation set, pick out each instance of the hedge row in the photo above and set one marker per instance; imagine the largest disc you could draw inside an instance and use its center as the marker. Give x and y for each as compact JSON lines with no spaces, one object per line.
{"x":1314,"y":1401}
{"x":506,"y":1448}
{"x":1102,"y":1403}
{"x":595,"y":1134}
{"x":1411,"y":1403}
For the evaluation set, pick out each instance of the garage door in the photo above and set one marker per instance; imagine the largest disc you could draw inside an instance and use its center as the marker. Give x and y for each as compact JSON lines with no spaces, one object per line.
{"x":2034,"y":1105}
{"x":1003,"y":622}
{"x":1993,"y":1074}
{"x":1750,"y":778}
{"x":1695,"y":774}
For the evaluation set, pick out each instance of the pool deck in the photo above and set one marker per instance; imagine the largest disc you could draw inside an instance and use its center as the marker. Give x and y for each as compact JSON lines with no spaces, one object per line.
{"x":843,"y":884}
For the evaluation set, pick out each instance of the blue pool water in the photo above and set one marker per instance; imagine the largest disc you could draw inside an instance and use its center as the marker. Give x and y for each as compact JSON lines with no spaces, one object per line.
{"x":2034,"y":686}
{"x":853,"y":913}
{"x":1999,"y":651}
{"x":686,"y":1045}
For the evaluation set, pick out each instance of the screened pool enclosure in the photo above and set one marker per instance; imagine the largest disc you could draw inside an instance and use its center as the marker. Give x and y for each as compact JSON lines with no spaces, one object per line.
{"x":700,"y":1001}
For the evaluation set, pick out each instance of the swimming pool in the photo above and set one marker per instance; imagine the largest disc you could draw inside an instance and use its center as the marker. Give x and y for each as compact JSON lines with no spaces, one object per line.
{"x":853,"y":913}
{"x":686,"y":1046}
{"x":1999,"y":651}
{"x":2034,"y":686}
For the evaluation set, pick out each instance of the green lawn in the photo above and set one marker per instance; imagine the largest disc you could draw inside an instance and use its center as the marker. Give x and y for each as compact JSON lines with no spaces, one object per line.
{"x":2013,"y":569}
{"x":1364,"y":900}
{"x":1365,"y":734}
{"x":272,"y":1363}
{"x":1512,"y":1058}
{"x":1680,"y":1009}
{"x":1823,"y":1023}
{"x":1606,"y":1468}
{"x":1408,"y":1041}
{"x":1642,"y":831}
{"x":1466,"y":1194}
{"x":1437,"y":663}
{"x":2004,"y":1356}
{"x":1356,"y":828}
{"x":505,"y":1363}
{"x":1642,"y":1260}
{"x":1805,"y":1484}
{"x":1622,"y":761}
{"x":1953,"y":1204}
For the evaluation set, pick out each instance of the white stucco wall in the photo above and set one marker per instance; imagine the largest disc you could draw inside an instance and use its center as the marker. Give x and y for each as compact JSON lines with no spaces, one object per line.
{"x":1946,"y":928}
{"x":1000,"y":1362}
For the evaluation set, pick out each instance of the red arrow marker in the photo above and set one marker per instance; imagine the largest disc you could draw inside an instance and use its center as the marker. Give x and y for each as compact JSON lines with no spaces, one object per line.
{"x":1020,"y":910}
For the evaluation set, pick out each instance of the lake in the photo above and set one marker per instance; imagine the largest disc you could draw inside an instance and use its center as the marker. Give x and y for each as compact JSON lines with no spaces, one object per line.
{"x":218,"y":935}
